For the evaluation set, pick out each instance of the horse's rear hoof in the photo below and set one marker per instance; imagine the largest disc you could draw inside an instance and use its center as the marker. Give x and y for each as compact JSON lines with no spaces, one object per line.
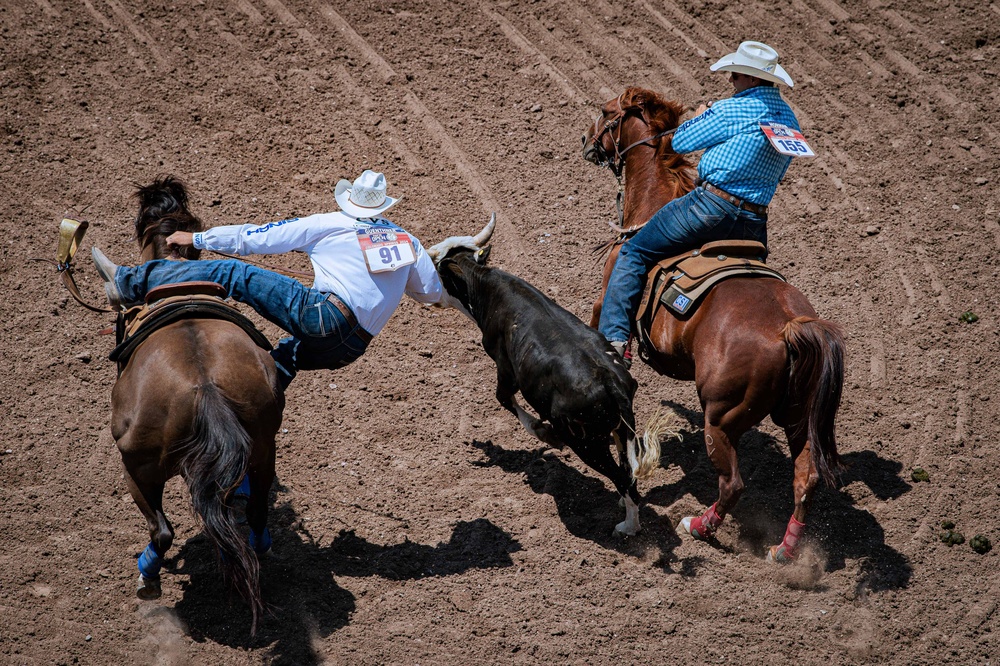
{"x":685,"y":525}
{"x":780,"y":555}
{"x":149,"y":588}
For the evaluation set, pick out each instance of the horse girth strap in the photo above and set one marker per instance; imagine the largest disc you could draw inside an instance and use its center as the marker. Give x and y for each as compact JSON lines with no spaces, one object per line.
{"x":136,"y":324}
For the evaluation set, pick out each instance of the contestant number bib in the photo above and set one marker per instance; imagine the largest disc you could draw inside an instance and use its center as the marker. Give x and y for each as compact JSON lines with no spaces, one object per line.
{"x":786,"y":140}
{"x":385,"y":248}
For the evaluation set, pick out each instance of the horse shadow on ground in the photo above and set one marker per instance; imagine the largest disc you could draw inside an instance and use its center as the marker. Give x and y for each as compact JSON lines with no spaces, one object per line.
{"x":299,"y":584}
{"x":841,"y":529}
{"x":588,"y":505}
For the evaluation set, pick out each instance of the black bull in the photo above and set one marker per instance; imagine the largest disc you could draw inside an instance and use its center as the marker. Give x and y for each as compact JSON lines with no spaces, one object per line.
{"x":565,"y":370}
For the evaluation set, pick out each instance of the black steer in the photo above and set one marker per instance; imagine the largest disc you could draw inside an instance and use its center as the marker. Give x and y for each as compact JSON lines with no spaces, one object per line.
{"x":565,"y":370}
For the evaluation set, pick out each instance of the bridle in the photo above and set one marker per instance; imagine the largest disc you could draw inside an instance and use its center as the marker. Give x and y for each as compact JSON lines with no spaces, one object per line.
{"x":616,"y":163}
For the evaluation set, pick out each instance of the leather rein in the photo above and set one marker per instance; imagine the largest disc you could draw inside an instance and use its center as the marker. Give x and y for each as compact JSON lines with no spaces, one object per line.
{"x":616,"y":163}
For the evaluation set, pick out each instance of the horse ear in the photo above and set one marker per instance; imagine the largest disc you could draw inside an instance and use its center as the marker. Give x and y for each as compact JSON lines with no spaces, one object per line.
{"x":484,"y":255}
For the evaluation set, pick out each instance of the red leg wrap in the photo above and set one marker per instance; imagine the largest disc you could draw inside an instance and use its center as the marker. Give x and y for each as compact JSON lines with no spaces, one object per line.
{"x":705,"y":525}
{"x":787,"y":550}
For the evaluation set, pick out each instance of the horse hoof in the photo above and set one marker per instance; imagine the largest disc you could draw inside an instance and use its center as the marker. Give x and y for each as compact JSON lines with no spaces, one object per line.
{"x":688,"y":526}
{"x":780,"y":555}
{"x":149,"y":588}
{"x":621,"y":502}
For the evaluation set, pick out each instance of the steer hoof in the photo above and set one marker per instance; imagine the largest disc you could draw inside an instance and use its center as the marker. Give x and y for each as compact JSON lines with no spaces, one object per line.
{"x":623,"y":529}
{"x":149,"y":588}
{"x":780,"y":555}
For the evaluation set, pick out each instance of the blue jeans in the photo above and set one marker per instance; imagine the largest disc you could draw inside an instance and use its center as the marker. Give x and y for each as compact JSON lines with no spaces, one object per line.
{"x":683,"y":224}
{"x":321,"y":336}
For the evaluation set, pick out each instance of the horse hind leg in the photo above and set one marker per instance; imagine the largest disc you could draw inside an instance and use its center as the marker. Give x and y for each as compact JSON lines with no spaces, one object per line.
{"x":148,"y":496}
{"x":804,"y":485}
{"x":261,"y":477}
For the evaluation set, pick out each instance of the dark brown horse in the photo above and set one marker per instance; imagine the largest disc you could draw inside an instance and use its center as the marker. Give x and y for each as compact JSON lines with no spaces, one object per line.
{"x":197,"y":398}
{"x":754,"y":347}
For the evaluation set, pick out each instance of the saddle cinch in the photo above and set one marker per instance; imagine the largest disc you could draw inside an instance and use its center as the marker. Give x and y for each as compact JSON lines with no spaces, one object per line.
{"x":170,"y":303}
{"x":680,"y":283}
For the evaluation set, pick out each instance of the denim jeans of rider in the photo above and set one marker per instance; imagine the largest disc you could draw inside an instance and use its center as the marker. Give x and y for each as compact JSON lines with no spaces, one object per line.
{"x":321,"y":337}
{"x":683,"y":224}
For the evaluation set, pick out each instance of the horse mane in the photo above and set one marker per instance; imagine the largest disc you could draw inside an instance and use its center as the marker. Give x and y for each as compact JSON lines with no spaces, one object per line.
{"x":162,"y":211}
{"x":662,"y":115}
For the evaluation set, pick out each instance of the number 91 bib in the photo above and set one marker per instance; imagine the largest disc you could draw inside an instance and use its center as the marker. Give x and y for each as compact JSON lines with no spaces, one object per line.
{"x":787,"y":140}
{"x":386,"y":247}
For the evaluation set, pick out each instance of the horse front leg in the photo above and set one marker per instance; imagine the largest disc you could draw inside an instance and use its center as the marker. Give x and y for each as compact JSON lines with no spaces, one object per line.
{"x":722,"y":453}
{"x":148,"y":496}
{"x":804,"y":484}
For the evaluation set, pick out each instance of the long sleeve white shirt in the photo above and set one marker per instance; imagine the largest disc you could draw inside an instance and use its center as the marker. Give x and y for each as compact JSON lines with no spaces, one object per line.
{"x":331,"y":242}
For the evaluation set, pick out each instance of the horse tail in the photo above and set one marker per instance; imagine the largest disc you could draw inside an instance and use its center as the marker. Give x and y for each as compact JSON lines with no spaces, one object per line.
{"x":816,"y":379}
{"x":214,"y":460}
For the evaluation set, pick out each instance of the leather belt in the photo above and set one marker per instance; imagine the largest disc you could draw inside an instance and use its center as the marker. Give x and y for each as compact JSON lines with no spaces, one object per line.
{"x":735,"y":200}
{"x":352,"y":321}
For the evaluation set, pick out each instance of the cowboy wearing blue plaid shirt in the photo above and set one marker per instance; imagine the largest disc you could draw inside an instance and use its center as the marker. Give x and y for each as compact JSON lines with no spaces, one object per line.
{"x":738,"y":174}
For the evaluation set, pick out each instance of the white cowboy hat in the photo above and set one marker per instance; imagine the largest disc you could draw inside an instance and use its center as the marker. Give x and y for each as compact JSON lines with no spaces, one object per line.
{"x":755,"y":59}
{"x":365,"y":197}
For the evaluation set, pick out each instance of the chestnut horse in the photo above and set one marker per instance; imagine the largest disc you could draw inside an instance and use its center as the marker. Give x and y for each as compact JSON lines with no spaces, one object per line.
{"x":754,"y":347}
{"x":197,"y":398}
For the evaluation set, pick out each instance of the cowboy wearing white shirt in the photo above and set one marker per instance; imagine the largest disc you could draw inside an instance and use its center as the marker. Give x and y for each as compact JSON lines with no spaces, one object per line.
{"x":363,"y":265}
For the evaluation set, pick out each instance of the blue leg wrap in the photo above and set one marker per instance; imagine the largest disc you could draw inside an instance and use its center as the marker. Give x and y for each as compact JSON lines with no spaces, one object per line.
{"x":244,"y":489}
{"x":150,"y":562}
{"x":260,"y":545}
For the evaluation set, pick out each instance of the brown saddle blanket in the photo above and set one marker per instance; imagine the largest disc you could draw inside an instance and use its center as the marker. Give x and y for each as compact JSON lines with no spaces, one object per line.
{"x":173,"y":302}
{"x":680,"y":283}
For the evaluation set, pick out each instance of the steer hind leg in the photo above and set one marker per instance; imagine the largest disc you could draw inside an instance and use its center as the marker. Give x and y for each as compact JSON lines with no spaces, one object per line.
{"x":597,"y":456}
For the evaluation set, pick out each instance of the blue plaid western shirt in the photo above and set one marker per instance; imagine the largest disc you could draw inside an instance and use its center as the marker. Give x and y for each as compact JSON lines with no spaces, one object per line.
{"x":738,"y":157}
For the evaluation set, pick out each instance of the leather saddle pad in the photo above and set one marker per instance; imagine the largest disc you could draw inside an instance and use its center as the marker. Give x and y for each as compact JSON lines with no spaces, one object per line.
{"x":170,"y":303}
{"x":681,"y":282}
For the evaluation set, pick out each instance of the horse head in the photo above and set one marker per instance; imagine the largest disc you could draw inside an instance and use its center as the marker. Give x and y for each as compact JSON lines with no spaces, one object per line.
{"x":636,"y":117}
{"x":639,"y":117}
{"x":163,"y":209}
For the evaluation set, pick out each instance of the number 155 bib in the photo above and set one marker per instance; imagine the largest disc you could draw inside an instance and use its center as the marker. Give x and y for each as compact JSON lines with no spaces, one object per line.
{"x":386,"y":248}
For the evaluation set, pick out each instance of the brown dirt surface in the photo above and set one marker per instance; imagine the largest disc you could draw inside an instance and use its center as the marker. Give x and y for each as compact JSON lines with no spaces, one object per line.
{"x":415,"y":521}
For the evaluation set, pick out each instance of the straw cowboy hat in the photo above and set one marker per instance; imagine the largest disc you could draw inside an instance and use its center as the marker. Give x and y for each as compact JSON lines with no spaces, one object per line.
{"x":755,"y":59}
{"x":365,"y":197}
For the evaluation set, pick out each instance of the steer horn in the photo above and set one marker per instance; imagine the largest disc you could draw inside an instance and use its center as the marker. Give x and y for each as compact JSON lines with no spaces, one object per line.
{"x":483,"y":237}
{"x":439,"y":251}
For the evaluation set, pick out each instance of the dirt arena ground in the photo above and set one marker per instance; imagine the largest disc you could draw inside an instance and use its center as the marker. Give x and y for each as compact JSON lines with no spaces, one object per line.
{"x":415,"y":521}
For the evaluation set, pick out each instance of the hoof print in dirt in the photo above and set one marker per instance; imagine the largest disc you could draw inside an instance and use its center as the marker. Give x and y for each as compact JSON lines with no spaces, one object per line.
{"x":980,"y":544}
{"x":919,"y":474}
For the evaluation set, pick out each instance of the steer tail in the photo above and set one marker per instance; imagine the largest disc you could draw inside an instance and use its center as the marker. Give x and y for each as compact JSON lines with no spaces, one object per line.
{"x":662,"y":425}
{"x":213,"y":462}
{"x":643,"y":452}
{"x":816,"y":348}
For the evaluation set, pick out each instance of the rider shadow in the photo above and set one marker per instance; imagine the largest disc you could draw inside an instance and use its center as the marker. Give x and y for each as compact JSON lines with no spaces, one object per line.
{"x":298,"y":582}
{"x":842,"y":530}
{"x":587,"y":505}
